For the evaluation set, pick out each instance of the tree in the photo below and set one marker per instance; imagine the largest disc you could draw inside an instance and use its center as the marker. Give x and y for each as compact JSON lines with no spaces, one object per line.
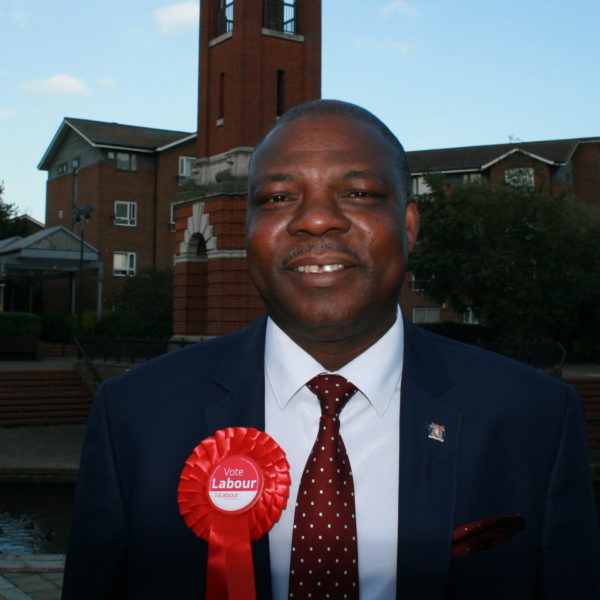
{"x":11,"y":225}
{"x":145,"y":307}
{"x":527,"y":263}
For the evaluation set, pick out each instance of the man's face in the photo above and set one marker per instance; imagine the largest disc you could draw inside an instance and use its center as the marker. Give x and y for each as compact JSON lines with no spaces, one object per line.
{"x":327,"y":232}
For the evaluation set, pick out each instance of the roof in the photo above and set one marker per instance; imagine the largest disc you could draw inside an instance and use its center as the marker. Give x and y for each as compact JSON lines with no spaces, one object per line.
{"x":115,"y":136}
{"x":57,"y":238}
{"x":472,"y":158}
{"x":56,"y":249}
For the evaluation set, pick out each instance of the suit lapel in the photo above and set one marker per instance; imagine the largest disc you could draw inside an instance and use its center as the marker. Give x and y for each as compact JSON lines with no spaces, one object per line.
{"x":428,"y":470}
{"x":243,"y":405}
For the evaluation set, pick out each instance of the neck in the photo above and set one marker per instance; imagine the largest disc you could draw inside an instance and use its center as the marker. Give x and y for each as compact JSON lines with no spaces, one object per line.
{"x":333,"y":354}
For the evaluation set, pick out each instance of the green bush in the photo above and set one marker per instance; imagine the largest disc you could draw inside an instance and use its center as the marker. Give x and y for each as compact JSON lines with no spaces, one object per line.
{"x":54,"y":328}
{"x":125,"y":323}
{"x":88,"y":324}
{"x":18,"y":324}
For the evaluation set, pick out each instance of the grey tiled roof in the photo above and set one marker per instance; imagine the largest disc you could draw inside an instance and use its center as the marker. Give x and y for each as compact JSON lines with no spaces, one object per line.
{"x":474,"y":157}
{"x":125,"y":136}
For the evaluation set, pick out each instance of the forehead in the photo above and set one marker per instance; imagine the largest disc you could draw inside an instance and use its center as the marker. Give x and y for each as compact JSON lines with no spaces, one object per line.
{"x":318,"y":138}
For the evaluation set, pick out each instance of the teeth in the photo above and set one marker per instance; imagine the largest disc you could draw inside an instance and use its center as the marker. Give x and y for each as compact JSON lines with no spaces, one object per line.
{"x":318,"y":268}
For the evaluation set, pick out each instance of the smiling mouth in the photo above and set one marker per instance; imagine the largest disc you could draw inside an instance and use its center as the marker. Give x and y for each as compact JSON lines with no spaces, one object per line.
{"x":318,"y":268}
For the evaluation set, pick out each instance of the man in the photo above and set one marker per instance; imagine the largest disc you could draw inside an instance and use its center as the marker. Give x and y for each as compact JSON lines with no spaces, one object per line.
{"x":470,"y":477}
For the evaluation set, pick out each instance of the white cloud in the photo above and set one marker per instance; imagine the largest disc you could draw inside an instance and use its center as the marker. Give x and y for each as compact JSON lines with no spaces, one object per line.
{"x":177,"y":18}
{"x":401,"y":6}
{"x":5,"y":113}
{"x":61,"y":84}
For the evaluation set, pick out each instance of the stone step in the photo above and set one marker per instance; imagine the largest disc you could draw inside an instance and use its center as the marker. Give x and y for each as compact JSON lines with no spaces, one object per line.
{"x":43,"y":398}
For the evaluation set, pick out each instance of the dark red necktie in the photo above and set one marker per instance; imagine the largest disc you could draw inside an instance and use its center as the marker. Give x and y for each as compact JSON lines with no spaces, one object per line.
{"x":324,"y":562}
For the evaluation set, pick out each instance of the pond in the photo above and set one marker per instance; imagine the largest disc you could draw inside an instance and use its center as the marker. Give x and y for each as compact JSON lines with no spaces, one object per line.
{"x":34,"y":518}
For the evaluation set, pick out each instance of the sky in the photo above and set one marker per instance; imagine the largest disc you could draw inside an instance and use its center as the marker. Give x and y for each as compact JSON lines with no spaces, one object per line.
{"x":439,"y":73}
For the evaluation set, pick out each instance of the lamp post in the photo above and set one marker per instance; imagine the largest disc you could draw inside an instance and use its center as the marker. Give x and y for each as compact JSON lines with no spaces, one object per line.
{"x":81,"y":215}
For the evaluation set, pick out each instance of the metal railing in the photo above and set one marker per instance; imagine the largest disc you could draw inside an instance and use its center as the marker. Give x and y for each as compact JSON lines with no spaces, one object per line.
{"x":224,"y":17}
{"x":546,"y":356}
{"x":280,"y":16}
{"x":97,"y":378}
{"x":125,"y":350}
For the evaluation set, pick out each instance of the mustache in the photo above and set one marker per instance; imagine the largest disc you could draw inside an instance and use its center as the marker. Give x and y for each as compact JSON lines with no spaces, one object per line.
{"x":328,"y":245}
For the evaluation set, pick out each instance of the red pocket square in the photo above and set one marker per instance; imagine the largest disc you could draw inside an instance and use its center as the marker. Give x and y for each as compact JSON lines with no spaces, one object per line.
{"x":480,"y":535}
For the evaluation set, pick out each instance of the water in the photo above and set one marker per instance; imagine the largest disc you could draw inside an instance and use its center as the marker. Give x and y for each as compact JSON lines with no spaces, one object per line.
{"x":34,"y":518}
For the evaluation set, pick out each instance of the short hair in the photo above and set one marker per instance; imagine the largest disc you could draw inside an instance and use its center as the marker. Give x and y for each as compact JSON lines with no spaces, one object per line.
{"x":323,"y":107}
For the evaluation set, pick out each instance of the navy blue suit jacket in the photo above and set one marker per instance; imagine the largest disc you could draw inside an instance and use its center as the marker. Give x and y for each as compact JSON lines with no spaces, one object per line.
{"x":514,"y":444}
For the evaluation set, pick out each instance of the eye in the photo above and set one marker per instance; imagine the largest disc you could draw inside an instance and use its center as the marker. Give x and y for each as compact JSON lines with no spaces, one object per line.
{"x":276,"y":198}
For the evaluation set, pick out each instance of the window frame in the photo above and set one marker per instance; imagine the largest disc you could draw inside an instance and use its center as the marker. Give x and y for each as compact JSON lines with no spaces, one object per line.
{"x":131,"y":209}
{"x":427,"y":310}
{"x":520,"y":177}
{"x":126,"y":161}
{"x":130,"y":261}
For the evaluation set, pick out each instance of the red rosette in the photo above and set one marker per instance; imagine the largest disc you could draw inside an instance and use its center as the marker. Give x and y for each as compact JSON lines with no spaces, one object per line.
{"x":232,"y":491}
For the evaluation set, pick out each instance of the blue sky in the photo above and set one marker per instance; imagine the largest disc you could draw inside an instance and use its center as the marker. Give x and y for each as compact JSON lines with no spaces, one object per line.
{"x":439,"y":73}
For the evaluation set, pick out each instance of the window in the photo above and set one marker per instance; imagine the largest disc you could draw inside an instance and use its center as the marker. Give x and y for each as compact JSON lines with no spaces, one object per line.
{"x":124,"y":264}
{"x":221,"y":116}
{"x":472,"y":178}
{"x":126,"y":161}
{"x":186,"y":164}
{"x":417,"y":284}
{"x":173,"y":219}
{"x":61,"y":169}
{"x":419,"y":186}
{"x":280,"y":107}
{"x":469,"y":317}
{"x":519,"y":177}
{"x":125,"y":213}
{"x":426,"y":315}
{"x":225,"y":17}
{"x":280,"y":15}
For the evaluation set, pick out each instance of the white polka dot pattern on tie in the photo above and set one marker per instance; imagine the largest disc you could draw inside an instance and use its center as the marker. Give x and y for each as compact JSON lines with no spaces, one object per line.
{"x":324,"y":560}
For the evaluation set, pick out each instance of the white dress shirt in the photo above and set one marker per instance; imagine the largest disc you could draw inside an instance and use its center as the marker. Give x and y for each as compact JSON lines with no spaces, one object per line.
{"x":370,"y":428}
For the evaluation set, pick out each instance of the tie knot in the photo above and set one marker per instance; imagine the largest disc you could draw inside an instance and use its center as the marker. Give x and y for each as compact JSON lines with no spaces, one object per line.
{"x":333,"y":391}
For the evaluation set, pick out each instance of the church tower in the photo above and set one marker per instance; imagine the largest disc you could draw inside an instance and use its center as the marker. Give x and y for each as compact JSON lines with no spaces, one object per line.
{"x":258,"y":58}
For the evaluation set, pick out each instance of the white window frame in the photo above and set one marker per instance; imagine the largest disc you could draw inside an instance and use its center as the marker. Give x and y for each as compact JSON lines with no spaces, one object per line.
{"x":129,"y":219}
{"x":520,"y":177}
{"x":186,"y":165}
{"x":127,"y":266}
{"x":126,"y":161}
{"x":425,"y":314}
{"x":471,"y":177}
{"x":416,"y":285}
{"x":419,"y":186}
{"x":469,"y":317}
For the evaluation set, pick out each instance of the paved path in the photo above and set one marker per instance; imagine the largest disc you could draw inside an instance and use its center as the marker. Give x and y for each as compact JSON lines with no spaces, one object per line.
{"x":31,"y":577}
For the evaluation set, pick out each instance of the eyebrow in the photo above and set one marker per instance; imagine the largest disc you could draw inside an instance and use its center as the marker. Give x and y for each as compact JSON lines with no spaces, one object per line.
{"x":357,"y":174}
{"x":278,"y":177}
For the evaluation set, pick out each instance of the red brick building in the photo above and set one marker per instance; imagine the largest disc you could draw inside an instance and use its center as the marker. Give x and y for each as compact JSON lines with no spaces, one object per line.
{"x":570,"y":166}
{"x":257,"y":59}
{"x":130,"y":176}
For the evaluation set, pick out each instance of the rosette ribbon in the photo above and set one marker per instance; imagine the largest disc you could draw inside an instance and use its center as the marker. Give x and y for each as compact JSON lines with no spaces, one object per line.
{"x":230,"y":529}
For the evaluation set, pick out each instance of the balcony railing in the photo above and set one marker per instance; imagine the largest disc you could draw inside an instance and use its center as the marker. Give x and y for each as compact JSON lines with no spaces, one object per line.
{"x":225,"y":17}
{"x":280,"y":16}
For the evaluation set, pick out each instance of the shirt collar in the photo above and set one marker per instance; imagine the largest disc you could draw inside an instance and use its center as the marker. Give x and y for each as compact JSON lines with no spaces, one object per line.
{"x":376,"y":372}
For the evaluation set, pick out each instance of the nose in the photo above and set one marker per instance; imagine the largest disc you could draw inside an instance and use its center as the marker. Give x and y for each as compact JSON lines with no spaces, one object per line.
{"x":318,"y":213}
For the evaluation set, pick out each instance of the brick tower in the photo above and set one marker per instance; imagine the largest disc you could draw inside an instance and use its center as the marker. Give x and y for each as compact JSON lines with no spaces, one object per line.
{"x":257,"y":59}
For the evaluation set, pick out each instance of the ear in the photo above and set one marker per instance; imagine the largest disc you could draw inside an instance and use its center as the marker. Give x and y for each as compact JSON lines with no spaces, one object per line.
{"x":411,"y":223}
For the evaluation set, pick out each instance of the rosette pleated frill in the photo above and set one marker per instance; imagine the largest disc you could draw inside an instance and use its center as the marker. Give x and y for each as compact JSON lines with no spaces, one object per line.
{"x":230,"y":572}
